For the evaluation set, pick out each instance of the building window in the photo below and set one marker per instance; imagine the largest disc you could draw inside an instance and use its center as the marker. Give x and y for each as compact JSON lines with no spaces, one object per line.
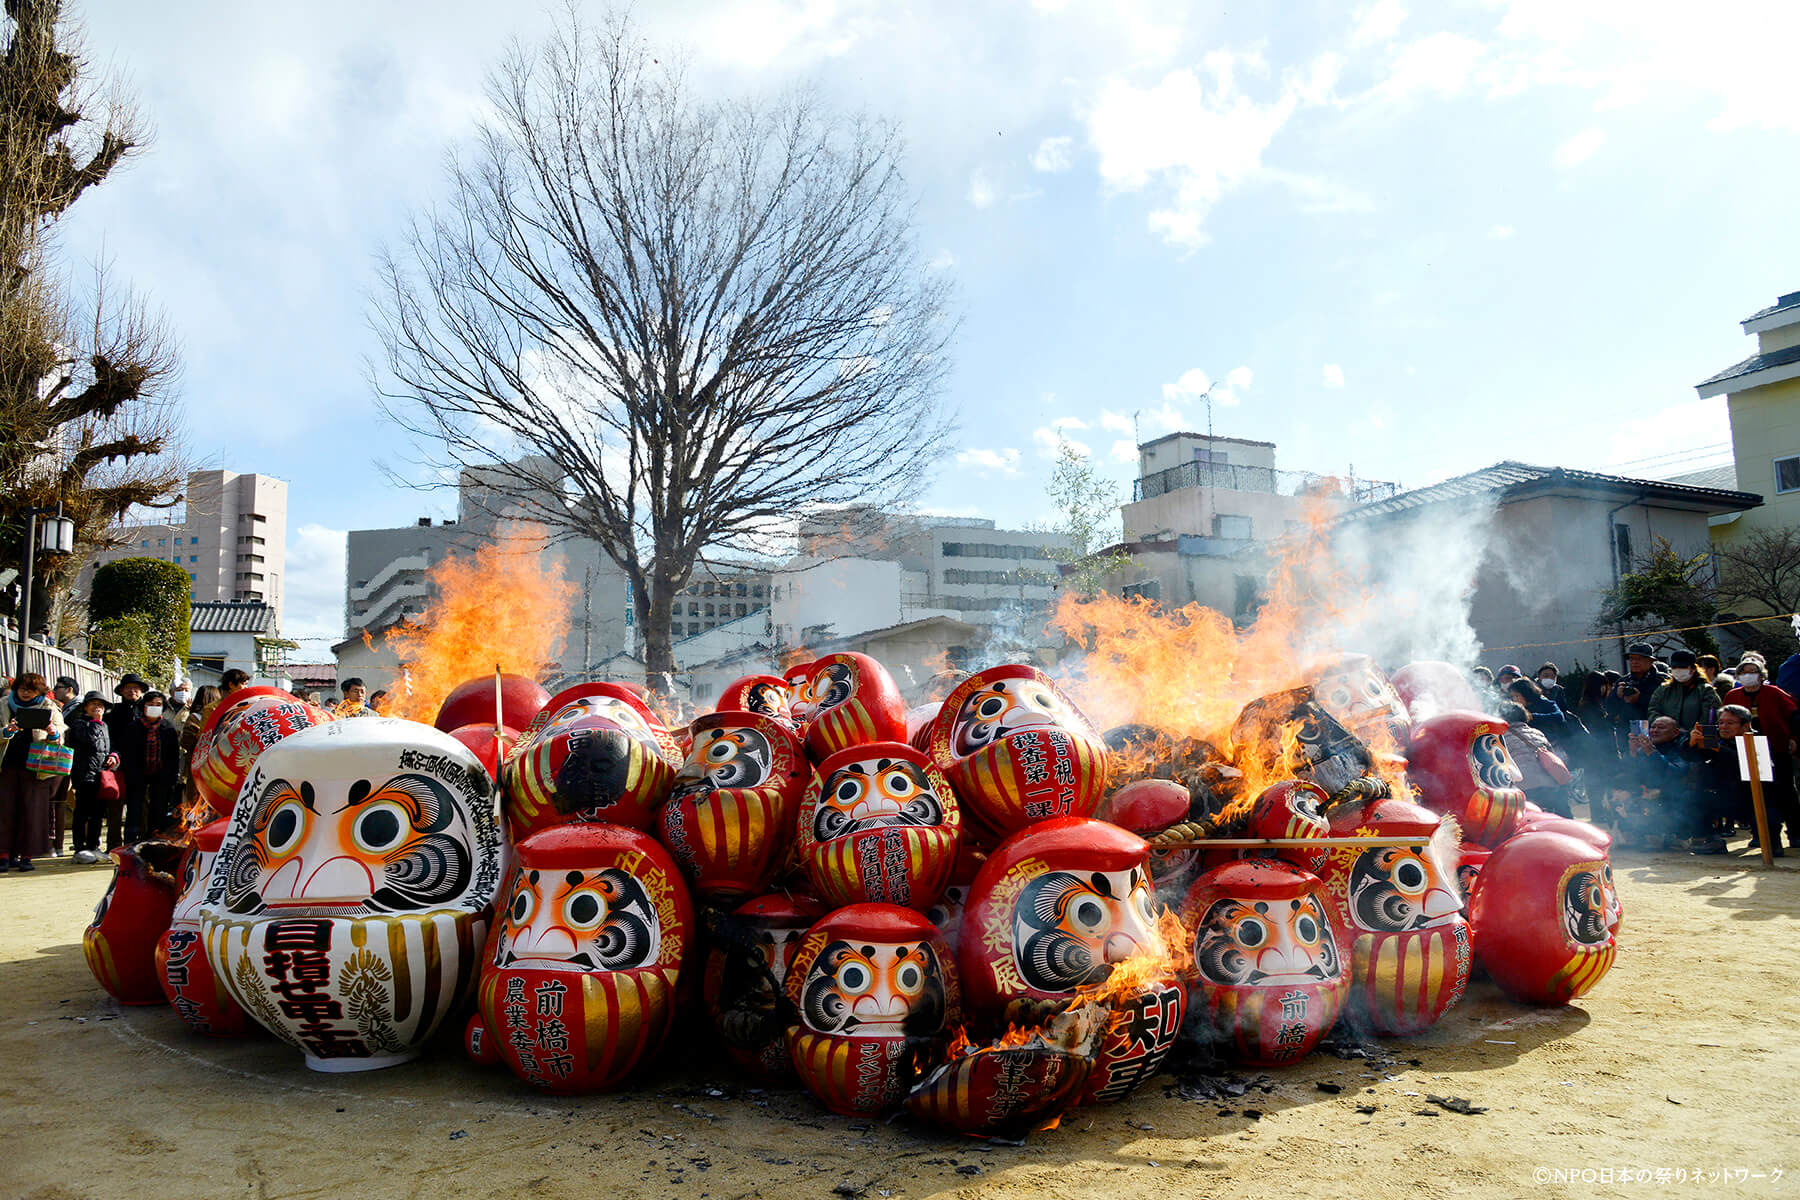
{"x":193,"y":541}
{"x":743,"y":610}
{"x":693,"y":628}
{"x":1622,"y":548}
{"x":1235,"y":528}
{"x":193,"y":558}
{"x":162,"y":541}
{"x":1149,"y":589}
{"x":1211,"y":456}
{"x":1787,"y":474}
{"x":144,"y":545}
{"x":1246,"y":601}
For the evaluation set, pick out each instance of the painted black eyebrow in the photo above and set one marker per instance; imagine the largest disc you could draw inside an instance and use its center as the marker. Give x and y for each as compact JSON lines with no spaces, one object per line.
{"x":308,"y":798}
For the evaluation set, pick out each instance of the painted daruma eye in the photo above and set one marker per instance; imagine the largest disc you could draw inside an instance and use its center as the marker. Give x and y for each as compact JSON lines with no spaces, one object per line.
{"x":991,"y":707}
{"x":379,"y":827}
{"x":1409,"y":876}
{"x":1088,"y":915}
{"x":520,"y":911}
{"x":1307,"y":929}
{"x":909,"y":978}
{"x":721,"y":751}
{"x":854,"y":978}
{"x":1251,"y":933}
{"x":849,"y":790}
{"x":583,"y":910}
{"x":283,"y":830}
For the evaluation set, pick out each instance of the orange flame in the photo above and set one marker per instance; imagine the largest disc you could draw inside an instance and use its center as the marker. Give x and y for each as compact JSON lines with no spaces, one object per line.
{"x":502,"y":605}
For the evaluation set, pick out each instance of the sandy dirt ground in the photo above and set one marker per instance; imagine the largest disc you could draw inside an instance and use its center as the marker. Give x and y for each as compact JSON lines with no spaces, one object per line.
{"x":1685,"y":1059}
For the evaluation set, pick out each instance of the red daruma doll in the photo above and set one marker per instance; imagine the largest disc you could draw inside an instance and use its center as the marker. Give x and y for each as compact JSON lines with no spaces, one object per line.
{"x":883,"y":828}
{"x":1462,"y":769}
{"x":872,"y":984}
{"x":1016,"y":750}
{"x":1267,"y":974}
{"x":729,"y":821}
{"x":1546,"y":917}
{"x":198,"y":996}
{"x":1400,"y":916}
{"x":580,"y":987}
{"x":1056,"y":909}
{"x":746,"y":972}
{"x":595,"y":754}
{"x":131,"y":918}
{"x":846,"y":700}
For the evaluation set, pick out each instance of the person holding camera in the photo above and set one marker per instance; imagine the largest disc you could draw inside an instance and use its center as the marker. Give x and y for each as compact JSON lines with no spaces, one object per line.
{"x":1632,"y":695}
{"x":1774,"y":713}
{"x":24,"y":795}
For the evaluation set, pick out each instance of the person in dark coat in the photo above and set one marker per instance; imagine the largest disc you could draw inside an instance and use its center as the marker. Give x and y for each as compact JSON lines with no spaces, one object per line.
{"x":1546,"y":717}
{"x":1639,"y":683}
{"x":151,"y":755}
{"x":91,"y":743}
{"x":1686,"y":696}
{"x":1548,"y":681}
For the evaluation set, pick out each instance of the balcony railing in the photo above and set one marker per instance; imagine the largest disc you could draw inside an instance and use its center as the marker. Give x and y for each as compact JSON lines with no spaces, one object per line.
{"x":1230,"y":477}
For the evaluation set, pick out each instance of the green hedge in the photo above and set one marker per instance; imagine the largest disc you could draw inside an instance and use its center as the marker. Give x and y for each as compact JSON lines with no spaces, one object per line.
{"x":158,"y":593}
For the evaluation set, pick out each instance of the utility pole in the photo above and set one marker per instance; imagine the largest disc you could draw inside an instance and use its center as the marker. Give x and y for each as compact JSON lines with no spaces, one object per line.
{"x":587,"y":622}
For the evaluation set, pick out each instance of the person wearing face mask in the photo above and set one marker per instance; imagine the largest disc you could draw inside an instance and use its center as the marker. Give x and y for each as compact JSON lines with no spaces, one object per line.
{"x":151,"y":753}
{"x":1685,"y":696}
{"x":176,"y":710}
{"x":1547,"y":681}
{"x":1773,"y":713}
{"x":24,"y":797}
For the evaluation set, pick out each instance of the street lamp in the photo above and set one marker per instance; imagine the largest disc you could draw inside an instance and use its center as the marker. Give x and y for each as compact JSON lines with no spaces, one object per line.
{"x":53,"y":536}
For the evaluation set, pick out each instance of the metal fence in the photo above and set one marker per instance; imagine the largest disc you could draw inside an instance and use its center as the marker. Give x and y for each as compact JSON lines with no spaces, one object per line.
{"x":1230,"y":477}
{"x":50,"y":662}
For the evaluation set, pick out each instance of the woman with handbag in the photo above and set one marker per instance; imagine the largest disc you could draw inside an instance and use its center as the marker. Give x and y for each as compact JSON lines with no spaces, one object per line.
{"x":91,"y":741}
{"x":26,"y":779}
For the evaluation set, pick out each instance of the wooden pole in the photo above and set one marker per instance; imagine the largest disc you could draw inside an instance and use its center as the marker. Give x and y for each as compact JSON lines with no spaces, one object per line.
{"x":1756,"y":800}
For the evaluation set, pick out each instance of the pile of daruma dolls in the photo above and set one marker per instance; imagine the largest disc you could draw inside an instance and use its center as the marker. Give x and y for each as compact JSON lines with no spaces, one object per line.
{"x":958,"y":909}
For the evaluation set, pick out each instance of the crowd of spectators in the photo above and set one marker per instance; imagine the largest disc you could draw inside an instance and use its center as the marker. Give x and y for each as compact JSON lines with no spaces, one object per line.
{"x":1656,"y":747}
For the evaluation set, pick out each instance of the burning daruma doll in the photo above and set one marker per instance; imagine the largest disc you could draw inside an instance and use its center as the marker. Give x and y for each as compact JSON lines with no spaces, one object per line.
{"x":729,"y":821}
{"x":581,"y":987}
{"x":354,"y":888}
{"x":595,"y":754}
{"x":1016,"y":750}
{"x":1462,"y":769}
{"x":872,"y":984}
{"x":1055,"y":910}
{"x":1546,"y":917}
{"x":882,"y":828}
{"x":1267,"y":979}
{"x":746,"y":973}
{"x":1400,"y":916}
{"x":198,"y":996}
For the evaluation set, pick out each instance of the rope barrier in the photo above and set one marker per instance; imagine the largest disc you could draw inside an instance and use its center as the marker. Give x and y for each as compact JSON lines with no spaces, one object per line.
{"x":1643,"y":633}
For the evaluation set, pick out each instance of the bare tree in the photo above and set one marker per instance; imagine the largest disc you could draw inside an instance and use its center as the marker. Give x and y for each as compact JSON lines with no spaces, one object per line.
{"x":85,"y":374}
{"x":665,"y":324}
{"x":1759,"y":572}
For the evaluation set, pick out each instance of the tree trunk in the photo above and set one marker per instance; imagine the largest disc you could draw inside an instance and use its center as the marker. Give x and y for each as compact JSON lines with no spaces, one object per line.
{"x":657,"y":619}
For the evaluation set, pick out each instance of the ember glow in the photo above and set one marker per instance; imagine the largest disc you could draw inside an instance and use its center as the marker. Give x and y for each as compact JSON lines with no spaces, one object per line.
{"x":503,"y":605}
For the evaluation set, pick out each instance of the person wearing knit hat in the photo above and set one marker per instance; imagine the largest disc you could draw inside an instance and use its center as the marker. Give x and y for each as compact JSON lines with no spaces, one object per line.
{"x":1773,"y":714}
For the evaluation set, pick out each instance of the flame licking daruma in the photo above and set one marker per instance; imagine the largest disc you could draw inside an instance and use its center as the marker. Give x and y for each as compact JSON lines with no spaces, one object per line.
{"x":729,"y":821}
{"x":1267,"y":973}
{"x":580,"y":986}
{"x":1056,"y":910}
{"x":1399,"y":914}
{"x":870,"y":985}
{"x":882,"y":828}
{"x":1016,"y":750}
{"x":351,"y":893}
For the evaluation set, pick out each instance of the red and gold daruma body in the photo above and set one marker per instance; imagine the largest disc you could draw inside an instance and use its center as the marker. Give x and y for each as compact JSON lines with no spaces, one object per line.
{"x":1546,"y":917}
{"x":578,"y":989}
{"x":240,"y":728}
{"x":1399,"y":911}
{"x":129,"y":921}
{"x":873,"y":989}
{"x":883,"y":827}
{"x":1016,"y":750}
{"x":846,"y":700}
{"x":764,"y":695}
{"x":1462,"y":769}
{"x":729,"y":819}
{"x":193,"y":989}
{"x":597,"y":753}
{"x":512,"y":703}
{"x":746,"y":972}
{"x":1268,"y":979}
{"x":1054,"y":910}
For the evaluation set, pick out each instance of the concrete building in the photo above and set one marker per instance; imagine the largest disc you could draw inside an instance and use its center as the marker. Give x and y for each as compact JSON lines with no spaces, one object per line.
{"x":1204,"y":509}
{"x":1548,"y":542}
{"x":245,"y":635}
{"x":1762,"y":395}
{"x":230,"y":538}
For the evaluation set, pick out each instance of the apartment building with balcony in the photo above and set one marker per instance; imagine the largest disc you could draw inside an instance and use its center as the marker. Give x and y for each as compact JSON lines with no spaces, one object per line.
{"x":229,"y":535}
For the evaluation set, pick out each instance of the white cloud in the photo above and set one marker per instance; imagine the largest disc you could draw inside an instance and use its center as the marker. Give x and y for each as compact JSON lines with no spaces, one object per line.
{"x":1378,"y":22}
{"x":1438,"y":63}
{"x":1500,"y":233}
{"x":981,"y":190}
{"x":1238,"y":378}
{"x":943,"y":260}
{"x":1579,"y":148}
{"x":1167,"y":417}
{"x":1053,"y":154}
{"x":1197,"y":134}
{"x":1050,"y":438}
{"x":1332,"y":375}
{"x":1004,"y":462}
{"x":1123,"y":452}
{"x":1115,"y":422}
{"x":313,"y":595}
{"x":1192,"y":384}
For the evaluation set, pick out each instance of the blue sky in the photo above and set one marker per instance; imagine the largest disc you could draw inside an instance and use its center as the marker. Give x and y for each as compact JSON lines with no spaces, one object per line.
{"x":1406,"y":239}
